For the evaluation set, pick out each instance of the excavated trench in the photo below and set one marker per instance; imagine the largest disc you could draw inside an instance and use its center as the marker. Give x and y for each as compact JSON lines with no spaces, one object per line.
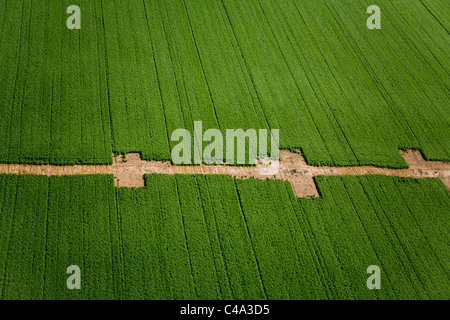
{"x":292,"y":167}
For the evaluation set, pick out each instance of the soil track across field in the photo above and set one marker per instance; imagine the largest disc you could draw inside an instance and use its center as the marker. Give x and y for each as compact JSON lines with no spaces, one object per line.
{"x":292,"y":167}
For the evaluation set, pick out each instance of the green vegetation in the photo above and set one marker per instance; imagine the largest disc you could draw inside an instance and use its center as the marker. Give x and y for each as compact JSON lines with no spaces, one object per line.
{"x":139,"y":69}
{"x":213,"y":237}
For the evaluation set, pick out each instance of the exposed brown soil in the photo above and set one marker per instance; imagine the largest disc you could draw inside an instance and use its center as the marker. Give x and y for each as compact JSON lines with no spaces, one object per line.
{"x":292,"y":167}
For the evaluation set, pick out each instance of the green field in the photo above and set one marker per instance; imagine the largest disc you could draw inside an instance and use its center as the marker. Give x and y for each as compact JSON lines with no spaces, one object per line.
{"x":139,"y":69}
{"x":213,"y":237}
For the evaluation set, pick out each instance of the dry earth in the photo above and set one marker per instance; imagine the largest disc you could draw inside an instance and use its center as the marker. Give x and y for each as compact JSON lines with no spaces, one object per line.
{"x":292,"y":167}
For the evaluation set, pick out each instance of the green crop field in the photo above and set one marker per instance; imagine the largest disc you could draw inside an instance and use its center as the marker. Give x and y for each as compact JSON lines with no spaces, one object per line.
{"x":197,"y":237}
{"x":137,"y":70}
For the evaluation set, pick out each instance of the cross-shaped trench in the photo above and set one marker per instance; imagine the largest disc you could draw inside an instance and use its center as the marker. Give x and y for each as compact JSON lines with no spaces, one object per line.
{"x":291,"y":167}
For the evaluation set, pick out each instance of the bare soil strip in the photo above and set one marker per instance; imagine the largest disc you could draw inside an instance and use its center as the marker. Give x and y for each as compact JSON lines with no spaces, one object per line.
{"x":292,"y":167}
